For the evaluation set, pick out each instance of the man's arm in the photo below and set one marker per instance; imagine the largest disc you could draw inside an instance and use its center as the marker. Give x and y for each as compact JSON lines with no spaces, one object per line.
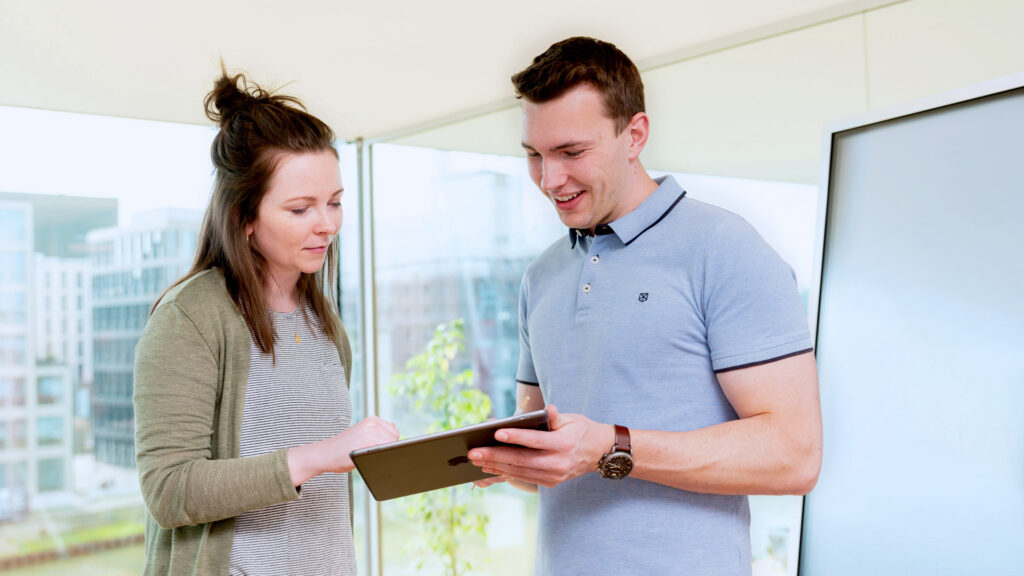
{"x":528,"y":397}
{"x":773,"y":448}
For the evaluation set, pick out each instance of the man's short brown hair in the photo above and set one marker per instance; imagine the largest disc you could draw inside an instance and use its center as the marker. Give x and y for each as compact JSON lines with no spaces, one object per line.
{"x":582,"y":60}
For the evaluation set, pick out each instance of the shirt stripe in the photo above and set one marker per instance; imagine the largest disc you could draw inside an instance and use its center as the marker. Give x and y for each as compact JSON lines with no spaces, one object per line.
{"x":299,"y":399}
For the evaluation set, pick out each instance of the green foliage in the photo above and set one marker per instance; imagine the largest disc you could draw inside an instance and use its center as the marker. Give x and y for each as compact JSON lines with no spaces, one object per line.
{"x":449,"y":518}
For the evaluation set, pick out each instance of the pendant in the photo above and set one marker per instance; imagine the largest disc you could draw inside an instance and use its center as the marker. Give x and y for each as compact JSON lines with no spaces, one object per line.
{"x":297,"y":341}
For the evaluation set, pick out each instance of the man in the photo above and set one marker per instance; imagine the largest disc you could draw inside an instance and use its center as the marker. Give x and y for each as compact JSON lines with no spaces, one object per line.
{"x":667,"y":317}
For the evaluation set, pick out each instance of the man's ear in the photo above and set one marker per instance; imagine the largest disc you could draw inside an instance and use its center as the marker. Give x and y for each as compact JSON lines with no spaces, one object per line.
{"x":637,"y":131}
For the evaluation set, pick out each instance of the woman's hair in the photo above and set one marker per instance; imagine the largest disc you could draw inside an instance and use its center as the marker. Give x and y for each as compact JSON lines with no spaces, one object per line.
{"x":256,"y":128}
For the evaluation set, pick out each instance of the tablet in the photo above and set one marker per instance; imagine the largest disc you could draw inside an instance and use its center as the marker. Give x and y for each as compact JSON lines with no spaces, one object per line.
{"x":436,"y":460}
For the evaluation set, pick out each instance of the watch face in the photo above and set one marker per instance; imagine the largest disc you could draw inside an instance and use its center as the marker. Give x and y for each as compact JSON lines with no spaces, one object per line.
{"x":616,"y":465}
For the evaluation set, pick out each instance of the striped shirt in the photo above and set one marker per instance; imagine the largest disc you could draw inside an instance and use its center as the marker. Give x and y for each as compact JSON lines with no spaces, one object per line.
{"x":300,"y":399}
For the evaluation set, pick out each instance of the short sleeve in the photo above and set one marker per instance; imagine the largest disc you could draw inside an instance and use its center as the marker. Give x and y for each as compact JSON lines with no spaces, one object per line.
{"x":753,"y":310}
{"x":526,"y":373}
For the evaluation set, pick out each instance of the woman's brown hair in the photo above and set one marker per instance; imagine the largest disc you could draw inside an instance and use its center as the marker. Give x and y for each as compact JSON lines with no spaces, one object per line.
{"x":256,"y":128}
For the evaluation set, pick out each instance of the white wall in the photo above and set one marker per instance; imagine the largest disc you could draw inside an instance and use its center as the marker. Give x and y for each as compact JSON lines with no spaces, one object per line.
{"x":757,"y":110}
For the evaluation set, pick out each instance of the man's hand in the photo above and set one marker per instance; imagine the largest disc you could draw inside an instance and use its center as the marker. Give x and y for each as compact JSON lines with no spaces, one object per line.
{"x":572,"y":448}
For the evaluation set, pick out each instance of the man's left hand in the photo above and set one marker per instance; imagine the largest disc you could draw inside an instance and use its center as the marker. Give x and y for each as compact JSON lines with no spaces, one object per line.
{"x":573,"y":447}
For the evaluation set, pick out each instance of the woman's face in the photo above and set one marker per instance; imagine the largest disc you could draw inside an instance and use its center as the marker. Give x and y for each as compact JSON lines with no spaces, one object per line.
{"x":298,"y":216}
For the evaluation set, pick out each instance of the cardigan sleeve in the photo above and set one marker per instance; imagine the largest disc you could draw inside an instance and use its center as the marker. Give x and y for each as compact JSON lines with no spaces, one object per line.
{"x":178,"y":372}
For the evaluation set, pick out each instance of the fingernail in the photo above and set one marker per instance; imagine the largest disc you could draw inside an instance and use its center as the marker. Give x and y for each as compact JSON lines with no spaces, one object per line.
{"x":501,"y":436}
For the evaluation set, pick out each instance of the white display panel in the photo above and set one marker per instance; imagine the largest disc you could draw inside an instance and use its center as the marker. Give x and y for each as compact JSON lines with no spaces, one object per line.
{"x":920,"y":344}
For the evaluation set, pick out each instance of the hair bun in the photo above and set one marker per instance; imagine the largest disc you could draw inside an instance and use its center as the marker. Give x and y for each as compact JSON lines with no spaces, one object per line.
{"x":228,"y":98}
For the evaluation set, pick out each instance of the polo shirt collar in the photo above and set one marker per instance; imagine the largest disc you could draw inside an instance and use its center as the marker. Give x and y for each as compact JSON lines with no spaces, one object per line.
{"x":644,"y":217}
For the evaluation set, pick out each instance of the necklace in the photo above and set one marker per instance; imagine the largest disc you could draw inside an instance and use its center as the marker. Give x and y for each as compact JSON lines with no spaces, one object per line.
{"x":282,"y":318}
{"x":295,"y":326}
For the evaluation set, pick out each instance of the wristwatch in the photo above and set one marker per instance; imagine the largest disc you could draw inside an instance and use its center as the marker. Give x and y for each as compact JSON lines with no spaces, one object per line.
{"x":619,"y":462}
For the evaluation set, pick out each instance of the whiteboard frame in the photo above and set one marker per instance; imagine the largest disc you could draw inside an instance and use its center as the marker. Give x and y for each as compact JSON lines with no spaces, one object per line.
{"x":831,"y":130}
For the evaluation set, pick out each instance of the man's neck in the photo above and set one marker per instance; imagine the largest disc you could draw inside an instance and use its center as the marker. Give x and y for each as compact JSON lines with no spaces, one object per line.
{"x":640,"y":187}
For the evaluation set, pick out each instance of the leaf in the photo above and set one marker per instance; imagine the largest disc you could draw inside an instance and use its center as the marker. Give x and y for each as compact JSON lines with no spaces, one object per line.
{"x":448,"y":520}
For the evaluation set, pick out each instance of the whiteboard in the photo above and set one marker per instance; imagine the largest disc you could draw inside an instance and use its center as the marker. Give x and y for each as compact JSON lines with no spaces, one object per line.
{"x":920,"y":341}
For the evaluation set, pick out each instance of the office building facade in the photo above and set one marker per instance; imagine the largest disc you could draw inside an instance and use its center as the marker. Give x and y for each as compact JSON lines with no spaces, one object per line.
{"x":131,"y":267}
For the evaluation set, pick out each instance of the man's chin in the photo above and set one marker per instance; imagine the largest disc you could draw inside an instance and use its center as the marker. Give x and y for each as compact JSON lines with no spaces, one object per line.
{"x":571,"y":222}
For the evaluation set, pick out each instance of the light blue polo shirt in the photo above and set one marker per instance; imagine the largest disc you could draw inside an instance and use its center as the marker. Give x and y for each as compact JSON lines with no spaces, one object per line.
{"x":629,"y":327}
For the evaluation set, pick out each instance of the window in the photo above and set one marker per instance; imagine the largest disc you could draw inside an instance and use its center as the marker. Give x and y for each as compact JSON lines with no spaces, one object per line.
{"x":12,"y":267}
{"x":50,"y":390}
{"x":17,"y":434}
{"x":13,"y":308}
{"x":12,"y":391}
{"x":49,"y":431}
{"x":453,"y":233}
{"x":13,"y":475}
{"x":51,"y":474}
{"x":136,"y":239}
{"x":12,"y":225}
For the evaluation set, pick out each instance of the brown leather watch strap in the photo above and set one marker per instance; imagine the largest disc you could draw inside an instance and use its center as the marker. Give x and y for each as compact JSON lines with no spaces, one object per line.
{"x":622,"y":439}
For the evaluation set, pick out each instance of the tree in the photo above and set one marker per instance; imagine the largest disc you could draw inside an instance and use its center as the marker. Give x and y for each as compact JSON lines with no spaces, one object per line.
{"x":448,"y":517}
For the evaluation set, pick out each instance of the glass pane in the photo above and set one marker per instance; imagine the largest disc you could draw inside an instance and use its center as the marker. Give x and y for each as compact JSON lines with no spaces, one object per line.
{"x":12,"y":390}
{"x":50,"y":390}
{"x":84,"y":252}
{"x":51,"y":474}
{"x":12,"y":267}
{"x":13,"y":223}
{"x":19,"y":435}
{"x":453,"y":233}
{"x":13,"y":308}
{"x":49,"y":431}
{"x":12,"y":351}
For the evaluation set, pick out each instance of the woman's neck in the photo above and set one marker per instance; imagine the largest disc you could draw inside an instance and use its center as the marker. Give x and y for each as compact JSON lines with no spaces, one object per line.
{"x":282,"y":296}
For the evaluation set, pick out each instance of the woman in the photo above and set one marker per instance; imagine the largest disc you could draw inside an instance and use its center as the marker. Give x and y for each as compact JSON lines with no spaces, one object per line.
{"x":241,"y":401}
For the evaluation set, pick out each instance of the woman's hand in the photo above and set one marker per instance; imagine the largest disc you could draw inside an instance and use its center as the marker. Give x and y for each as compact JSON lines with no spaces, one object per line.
{"x":369,"y":431}
{"x":332,"y":454}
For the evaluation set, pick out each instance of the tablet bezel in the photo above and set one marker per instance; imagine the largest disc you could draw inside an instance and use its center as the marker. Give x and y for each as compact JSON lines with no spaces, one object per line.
{"x":380,"y":465}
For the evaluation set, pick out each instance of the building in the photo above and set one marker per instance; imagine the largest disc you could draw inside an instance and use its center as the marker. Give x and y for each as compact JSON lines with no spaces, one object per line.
{"x":131,"y":267}
{"x":43,"y":341}
{"x":62,"y":329}
{"x":448,"y":265}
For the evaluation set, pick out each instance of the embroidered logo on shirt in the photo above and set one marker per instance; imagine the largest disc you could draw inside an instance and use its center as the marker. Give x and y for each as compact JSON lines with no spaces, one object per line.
{"x":643,"y":296}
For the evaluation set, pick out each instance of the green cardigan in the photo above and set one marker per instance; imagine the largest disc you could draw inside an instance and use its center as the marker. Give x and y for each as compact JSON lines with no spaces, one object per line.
{"x":191,"y":369}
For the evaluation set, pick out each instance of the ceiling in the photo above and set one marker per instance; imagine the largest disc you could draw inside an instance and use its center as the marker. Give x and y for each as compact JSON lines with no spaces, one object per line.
{"x":368,"y":68}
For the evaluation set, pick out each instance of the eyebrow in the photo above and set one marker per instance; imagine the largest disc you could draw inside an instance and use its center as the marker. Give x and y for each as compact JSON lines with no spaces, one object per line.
{"x":563,"y":146}
{"x":313,"y":198}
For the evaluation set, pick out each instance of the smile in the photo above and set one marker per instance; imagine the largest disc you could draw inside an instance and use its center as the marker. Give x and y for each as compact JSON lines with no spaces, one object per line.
{"x":566,"y":198}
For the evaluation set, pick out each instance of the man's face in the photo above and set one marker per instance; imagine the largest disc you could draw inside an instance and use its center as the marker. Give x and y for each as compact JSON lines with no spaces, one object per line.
{"x":576,"y":158}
